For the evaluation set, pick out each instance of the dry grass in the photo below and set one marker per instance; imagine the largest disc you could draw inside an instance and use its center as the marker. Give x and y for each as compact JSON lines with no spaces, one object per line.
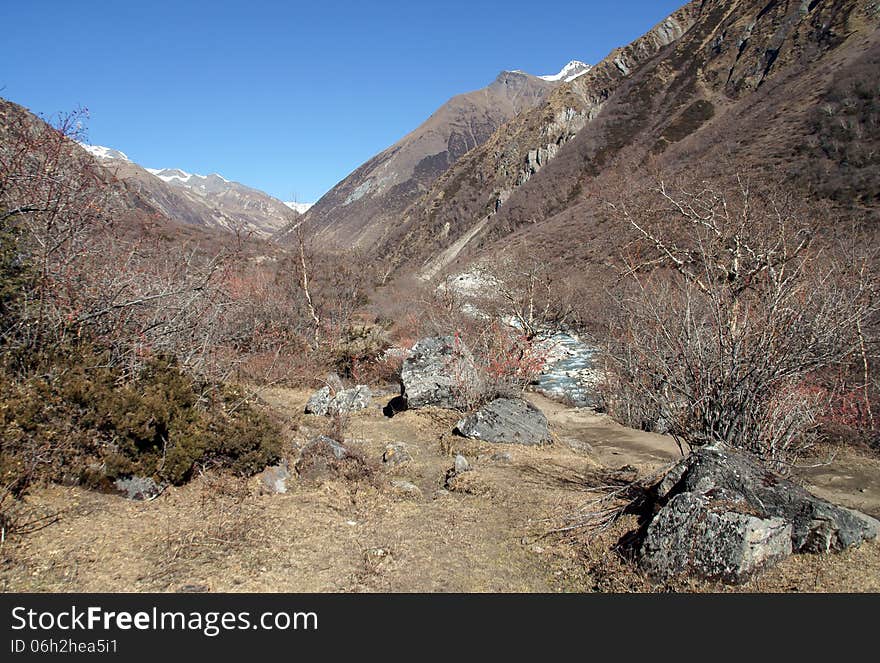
{"x":499,"y":533}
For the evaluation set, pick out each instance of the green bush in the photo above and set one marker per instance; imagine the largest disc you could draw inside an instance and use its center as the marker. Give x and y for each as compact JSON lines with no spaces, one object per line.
{"x":91,"y":425}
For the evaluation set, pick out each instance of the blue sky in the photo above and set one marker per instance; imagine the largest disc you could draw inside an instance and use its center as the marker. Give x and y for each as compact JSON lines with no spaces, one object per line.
{"x":287,"y":97}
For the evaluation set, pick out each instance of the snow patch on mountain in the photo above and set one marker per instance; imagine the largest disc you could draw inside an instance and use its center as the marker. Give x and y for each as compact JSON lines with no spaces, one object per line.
{"x":102,"y":152}
{"x":569,"y":72}
{"x":302,"y":208}
{"x":178,"y":176}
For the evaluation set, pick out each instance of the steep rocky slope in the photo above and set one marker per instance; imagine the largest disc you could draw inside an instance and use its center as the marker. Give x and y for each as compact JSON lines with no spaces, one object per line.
{"x":786,"y":87}
{"x":358,"y":210}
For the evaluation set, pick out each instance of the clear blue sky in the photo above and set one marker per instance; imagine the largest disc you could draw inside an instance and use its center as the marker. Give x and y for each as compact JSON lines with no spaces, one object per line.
{"x":287,"y":97}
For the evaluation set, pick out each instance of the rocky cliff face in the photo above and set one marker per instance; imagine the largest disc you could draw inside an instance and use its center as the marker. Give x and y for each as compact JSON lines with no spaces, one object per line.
{"x":360,"y":209}
{"x":717,"y":82}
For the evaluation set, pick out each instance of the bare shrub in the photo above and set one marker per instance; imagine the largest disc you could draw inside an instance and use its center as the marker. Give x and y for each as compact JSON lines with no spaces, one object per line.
{"x":729,"y":307}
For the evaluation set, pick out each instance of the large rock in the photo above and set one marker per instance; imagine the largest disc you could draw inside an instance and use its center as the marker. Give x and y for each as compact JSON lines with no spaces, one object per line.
{"x":507,"y":421}
{"x":817,"y":525}
{"x":713,"y":538}
{"x":326,"y":402}
{"x":725,"y":516}
{"x":438,"y":371}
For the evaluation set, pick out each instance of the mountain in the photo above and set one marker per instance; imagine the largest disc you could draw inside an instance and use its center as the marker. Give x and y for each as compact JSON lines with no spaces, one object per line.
{"x":359,"y":210}
{"x":204,"y":200}
{"x":784,"y":88}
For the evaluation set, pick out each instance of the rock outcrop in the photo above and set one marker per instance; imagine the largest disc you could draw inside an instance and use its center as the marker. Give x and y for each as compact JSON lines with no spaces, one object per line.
{"x":506,"y":421}
{"x":724,"y":516}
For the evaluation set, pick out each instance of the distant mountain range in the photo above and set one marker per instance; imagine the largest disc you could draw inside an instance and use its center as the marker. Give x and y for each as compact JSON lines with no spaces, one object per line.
{"x":784,"y":89}
{"x":206,"y":200}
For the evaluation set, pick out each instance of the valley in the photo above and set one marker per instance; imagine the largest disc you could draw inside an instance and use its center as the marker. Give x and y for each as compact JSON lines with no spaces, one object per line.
{"x":610,"y":329}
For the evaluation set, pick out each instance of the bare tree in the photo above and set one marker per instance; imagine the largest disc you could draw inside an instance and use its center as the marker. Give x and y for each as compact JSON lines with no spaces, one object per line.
{"x":728,"y":306}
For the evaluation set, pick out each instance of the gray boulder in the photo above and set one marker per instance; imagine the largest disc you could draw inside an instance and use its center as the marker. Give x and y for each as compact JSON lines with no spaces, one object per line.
{"x":461,"y":464}
{"x":322,"y":444}
{"x":405,"y":488}
{"x":325,"y":401}
{"x":319,"y":402}
{"x":459,"y":467}
{"x":724,"y":516}
{"x":713,"y":538}
{"x":138,"y":488}
{"x":273,"y":480}
{"x":438,"y":372}
{"x":507,"y":421}
{"x":351,"y":400}
{"x":817,"y":525}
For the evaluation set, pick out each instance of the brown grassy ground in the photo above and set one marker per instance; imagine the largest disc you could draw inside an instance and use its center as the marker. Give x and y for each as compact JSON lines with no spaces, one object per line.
{"x":488,"y":534}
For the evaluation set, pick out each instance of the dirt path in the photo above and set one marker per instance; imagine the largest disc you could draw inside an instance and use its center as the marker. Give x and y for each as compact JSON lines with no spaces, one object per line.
{"x":219,"y":534}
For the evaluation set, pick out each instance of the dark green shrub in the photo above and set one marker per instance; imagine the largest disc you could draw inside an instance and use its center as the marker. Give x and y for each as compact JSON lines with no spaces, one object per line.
{"x":92,"y":425}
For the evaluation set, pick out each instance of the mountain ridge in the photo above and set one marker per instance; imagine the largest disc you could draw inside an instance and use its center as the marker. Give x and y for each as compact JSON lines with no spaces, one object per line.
{"x":208,"y":200}
{"x":355,"y":212}
{"x":676,"y":97}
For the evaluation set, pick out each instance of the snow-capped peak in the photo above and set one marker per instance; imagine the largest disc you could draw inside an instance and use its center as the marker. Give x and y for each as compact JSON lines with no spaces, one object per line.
{"x":569,"y":72}
{"x":102,"y":152}
{"x":178,"y":176}
{"x":302,"y":208}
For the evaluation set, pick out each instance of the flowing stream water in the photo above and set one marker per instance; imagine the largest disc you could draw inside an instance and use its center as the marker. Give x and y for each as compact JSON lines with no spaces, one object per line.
{"x":570,"y":373}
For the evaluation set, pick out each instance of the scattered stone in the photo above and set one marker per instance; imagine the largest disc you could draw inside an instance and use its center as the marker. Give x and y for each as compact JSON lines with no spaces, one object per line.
{"x":395,"y":454}
{"x":273,"y":480}
{"x":322,"y":442}
{"x":502,"y":457}
{"x":325,"y":402}
{"x":724,"y":516}
{"x":506,"y":421}
{"x":319,"y":402}
{"x":194,"y":589}
{"x":334,"y":382}
{"x":453,"y":480}
{"x":406,"y":488}
{"x":377,"y":559}
{"x":438,"y":371}
{"x":323,"y":458}
{"x":138,"y":488}
{"x":351,"y":400}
